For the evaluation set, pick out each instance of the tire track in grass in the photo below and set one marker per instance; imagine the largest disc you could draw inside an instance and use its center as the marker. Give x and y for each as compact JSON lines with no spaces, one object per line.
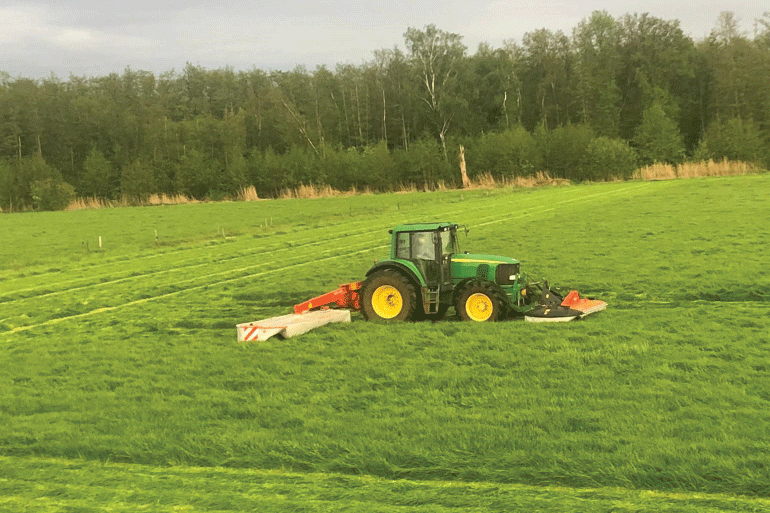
{"x":176,"y":252}
{"x":5,"y":274}
{"x":218,"y":273}
{"x":476,"y":198}
{"x":182,"y":291}
{"x":249,"y":251}
{"x":166,"y":271}
{"x":611,"y":193}
{"x":245,"y":253}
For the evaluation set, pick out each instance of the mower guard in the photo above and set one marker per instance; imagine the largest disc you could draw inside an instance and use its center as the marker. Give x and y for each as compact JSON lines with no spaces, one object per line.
{"x":584,"y":305}
{"x":287,"y":326}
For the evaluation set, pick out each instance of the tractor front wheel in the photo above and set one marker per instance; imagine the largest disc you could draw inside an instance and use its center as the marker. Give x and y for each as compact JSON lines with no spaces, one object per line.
{"x":481,"y":303}
{"x":388,"y":296}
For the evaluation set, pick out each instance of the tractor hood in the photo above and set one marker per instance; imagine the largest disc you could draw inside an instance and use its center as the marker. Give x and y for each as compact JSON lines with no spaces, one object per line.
{"x":477,"y":259}
{"x":499,"y":269}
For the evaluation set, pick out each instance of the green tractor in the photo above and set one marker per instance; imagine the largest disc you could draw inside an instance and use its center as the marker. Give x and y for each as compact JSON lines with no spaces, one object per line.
{"x":426,"y":273}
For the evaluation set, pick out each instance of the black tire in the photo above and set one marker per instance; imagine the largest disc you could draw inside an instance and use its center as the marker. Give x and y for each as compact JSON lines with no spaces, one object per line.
{"x":480,"y":302}
{"x":388,"y":296}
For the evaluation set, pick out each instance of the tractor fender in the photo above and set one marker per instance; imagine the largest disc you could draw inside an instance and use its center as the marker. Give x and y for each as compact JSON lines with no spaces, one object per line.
{"x":408,"y":269}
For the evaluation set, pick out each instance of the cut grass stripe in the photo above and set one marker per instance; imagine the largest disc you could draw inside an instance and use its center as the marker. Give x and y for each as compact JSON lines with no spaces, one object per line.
{"x":249,"y":251}
{"x":178,"y":292}
{"x":589,"y":198}
{"x":452,"y":211}
{"x":43,"y":484}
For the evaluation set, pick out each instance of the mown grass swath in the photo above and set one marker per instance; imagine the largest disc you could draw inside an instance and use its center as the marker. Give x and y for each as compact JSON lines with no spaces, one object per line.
{"x":666,"y":390}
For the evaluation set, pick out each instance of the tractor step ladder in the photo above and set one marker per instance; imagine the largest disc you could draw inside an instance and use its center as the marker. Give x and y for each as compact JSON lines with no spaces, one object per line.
{"x":432,"y":296}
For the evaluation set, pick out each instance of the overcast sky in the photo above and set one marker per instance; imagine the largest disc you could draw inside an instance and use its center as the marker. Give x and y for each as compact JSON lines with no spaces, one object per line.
{"x":98,"y":37}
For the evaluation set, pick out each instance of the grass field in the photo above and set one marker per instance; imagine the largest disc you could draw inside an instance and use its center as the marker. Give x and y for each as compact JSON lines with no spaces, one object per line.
{"x":122,"y":383}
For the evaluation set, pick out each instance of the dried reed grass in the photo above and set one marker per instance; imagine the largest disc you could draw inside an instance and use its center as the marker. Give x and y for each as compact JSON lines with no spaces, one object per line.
{"x":164,"y":199}
{"x":695,"y":170}
{"x":483,"y":181}
{"x":87,"y":204}
{"x":711,"y":168}
{"x":487,"y":181}
{"x":313,"y":192}
{"x":248,"y":194}
{"x":406,"y":188}
{"x":656,"y":172}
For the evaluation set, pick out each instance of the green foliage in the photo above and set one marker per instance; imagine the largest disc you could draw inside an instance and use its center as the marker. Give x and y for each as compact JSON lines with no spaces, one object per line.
{"x":659,"y":64}
{"x":377,"y":168}
{"x":507,"y":154}
{"x":607,"y":158}
{"x":596,"y":41}
{"x":8,"y":186}
{"x":423,"y":164}
{"x":564,"y":149}
{"x":658,"y":139}
{"x":51,"y":194}
{"x":734,"y":139}
{"x":137,"y":181}
{"x":31,"y":183}
{"x":338,"y":167}
{"x":297,"y":167}
{"x":236,"y":171}
{"x":197,"y":174}
{"x":548,"y":92}
{"x":98,"y":178}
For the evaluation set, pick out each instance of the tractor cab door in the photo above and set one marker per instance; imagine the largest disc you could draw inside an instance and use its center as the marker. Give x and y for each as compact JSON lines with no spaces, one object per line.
{"x":428,"y":251}
{"x":424,"y":250}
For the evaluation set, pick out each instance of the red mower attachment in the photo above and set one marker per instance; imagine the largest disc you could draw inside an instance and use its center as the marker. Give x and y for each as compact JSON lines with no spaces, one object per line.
{"x":587,"y":306}
{"x":347,"y":296}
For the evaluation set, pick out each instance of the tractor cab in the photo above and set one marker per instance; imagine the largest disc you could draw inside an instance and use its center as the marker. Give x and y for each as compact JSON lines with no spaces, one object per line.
{"x":429,"y":247}
{"x":424,"y":252}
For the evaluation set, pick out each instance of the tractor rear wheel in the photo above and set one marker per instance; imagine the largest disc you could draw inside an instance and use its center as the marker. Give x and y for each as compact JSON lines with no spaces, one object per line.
{"x":388,"y":296}
{"x":481,"y":303}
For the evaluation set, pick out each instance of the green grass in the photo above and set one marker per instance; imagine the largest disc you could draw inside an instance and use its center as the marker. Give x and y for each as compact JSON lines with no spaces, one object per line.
{"x":128,"y":355}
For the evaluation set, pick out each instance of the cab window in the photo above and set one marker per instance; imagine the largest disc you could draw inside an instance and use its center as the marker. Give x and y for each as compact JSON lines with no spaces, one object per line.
{"x":423,"y":246}
{"x":402,"y":246}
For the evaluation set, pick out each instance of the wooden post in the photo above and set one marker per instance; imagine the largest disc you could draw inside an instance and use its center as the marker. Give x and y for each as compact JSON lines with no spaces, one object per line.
{"x":463,"y":171}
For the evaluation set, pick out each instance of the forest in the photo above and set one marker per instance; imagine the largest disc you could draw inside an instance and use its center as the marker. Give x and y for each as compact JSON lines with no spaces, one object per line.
{"x":614,"y":95}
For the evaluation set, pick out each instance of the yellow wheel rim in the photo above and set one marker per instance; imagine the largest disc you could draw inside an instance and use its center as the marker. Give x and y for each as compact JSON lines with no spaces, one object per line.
{"x":479,"y":307}
{"x":387,"y":301}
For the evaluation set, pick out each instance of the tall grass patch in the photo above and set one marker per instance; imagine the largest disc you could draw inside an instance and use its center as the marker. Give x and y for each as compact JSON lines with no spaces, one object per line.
{"x":698,"y":169}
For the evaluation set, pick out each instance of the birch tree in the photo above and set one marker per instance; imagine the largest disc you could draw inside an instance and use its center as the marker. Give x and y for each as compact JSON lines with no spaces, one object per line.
{"x":437,"y":55}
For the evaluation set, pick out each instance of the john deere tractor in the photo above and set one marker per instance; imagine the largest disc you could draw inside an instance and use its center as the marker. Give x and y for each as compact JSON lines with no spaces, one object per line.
{"x":426,"y":273}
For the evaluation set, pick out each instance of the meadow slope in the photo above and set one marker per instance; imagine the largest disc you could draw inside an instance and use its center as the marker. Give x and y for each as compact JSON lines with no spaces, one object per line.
{"x":127,"y":353}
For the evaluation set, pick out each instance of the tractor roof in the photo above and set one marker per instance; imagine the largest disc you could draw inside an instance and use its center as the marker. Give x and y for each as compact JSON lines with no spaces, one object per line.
{"x":422,"y":227}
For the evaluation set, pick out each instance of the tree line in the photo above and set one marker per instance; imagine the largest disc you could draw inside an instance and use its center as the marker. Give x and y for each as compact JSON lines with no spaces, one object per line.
{"x":615,"y":94}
